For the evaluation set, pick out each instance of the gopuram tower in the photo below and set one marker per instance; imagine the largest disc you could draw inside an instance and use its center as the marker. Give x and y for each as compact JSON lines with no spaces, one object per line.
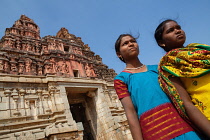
{"x":55,"y":88}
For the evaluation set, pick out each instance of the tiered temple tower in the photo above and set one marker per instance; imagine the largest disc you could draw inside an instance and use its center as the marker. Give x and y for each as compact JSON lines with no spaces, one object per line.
{"x":55,"y":88}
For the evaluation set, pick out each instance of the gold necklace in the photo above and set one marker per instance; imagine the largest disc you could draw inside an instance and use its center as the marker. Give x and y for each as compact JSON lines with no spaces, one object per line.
{"x":135,"y":68}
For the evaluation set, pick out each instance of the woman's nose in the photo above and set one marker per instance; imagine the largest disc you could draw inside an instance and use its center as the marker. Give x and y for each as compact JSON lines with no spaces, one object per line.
{"x":178,"y":31}
{"x":130,"y":43}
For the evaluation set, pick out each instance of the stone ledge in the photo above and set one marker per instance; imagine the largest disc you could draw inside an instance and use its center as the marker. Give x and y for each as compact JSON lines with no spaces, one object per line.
{"x":47,"y":79}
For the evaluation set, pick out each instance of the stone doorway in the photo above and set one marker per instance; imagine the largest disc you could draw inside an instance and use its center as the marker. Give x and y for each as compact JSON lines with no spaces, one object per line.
{"x":78,"y":113}
{"x":83,"y":109}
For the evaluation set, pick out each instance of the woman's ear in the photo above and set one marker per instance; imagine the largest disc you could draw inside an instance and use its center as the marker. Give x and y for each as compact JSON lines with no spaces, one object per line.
{"x":118,"y":54}
{"x":161,"y":43}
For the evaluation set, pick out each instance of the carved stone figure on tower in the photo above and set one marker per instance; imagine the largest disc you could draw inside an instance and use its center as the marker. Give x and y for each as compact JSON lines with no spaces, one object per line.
{"x":21,"y":67}
{"x":63,"y":33}
{"x":1,"y":65}
{"x":13,"y":67}
{"x":28,"y":63}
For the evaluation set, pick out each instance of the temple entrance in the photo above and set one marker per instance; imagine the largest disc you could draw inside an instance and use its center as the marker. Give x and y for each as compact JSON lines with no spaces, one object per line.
{"x":78,"y":113}
{"x":83,"y":109}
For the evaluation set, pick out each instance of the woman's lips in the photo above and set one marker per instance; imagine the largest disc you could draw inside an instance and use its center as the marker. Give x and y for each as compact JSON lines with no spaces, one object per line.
{"x":180,"y":36}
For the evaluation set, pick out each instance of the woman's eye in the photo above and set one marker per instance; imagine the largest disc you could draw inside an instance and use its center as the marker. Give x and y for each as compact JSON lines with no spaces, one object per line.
{"x":125,"y":43}
{"x":179,"y":27}
{"x":170,"y":30}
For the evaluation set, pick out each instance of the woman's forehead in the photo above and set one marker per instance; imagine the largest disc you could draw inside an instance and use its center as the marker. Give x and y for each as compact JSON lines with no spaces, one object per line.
{"x":127,"y":38}
{"x":170,"y":24}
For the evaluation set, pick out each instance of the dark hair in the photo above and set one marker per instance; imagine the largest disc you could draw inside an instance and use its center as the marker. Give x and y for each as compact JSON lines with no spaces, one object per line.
{"x":159,"y":31}
{"x":118,"y":41}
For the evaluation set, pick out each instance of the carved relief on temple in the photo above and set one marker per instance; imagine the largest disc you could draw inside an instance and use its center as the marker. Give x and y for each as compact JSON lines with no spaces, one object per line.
{"x":25,"y":53}
{"x":63,"y":67}
{"x":89,"y":70}
{"x":4,"y":65}
{"x":24,"y":27}
{"x":98,"y":59}
{"x":64,"y":34}
{"x":30,"y":101}
{"x":86,"y":47}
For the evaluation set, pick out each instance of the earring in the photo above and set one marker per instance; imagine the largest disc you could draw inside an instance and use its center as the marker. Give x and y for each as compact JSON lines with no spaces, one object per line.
{"x":163,"y":45}
{"x":121,"y":58}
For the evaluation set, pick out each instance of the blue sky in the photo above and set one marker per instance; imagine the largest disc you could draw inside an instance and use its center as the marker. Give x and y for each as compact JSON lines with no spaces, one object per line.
{"x":100,"y":22}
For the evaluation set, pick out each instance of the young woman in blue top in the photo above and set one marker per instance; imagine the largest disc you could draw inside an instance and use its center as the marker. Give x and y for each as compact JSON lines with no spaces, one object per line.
{"x":150,"y":113}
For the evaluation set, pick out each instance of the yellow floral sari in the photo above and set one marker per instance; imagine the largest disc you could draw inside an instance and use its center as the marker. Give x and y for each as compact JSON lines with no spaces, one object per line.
{"x":190,"y":64}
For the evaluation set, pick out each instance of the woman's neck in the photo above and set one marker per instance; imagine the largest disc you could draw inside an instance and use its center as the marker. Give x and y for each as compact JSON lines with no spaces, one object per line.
{"x":133,"y":64}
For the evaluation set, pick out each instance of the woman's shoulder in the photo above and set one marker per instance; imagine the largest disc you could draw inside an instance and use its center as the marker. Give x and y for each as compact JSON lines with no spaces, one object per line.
{"x":152,"y":67}
{"x":123,"y":75}
{"x":199,"y":45}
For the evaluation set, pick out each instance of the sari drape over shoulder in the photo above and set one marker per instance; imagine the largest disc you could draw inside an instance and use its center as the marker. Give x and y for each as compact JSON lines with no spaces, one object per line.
{"x":190,"y":64}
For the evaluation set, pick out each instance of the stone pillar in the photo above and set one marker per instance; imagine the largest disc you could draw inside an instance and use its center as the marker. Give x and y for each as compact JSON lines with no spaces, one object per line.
{"x":7,"y":93}
{"x":45,"y":94}
{"x":52,"y":95}
{"x":22,"y":102}
{"x":15,"y":97}
{"x":40,"y":106}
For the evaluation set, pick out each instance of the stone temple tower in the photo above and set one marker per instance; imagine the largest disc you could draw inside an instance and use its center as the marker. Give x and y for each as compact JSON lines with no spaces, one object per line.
{"x":55,"y":88}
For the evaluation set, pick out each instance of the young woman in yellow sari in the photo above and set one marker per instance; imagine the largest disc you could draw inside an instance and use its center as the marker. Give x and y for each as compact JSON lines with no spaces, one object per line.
{"x":185,"y":71}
